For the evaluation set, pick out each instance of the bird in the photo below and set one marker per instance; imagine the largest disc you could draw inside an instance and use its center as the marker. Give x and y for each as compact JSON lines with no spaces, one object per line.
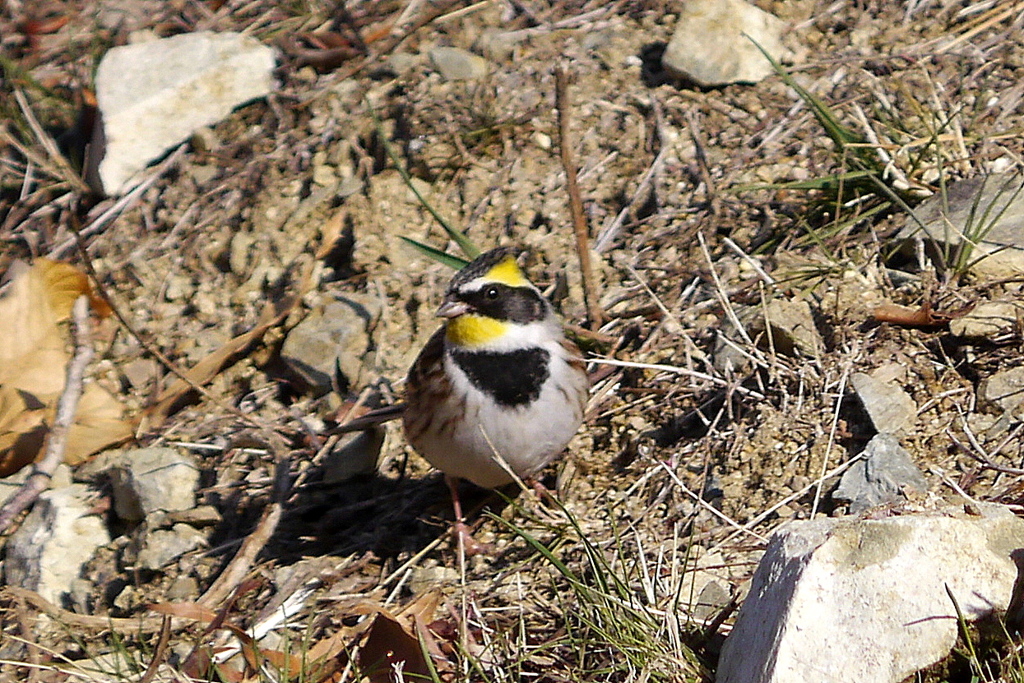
{"x":498,"y":390}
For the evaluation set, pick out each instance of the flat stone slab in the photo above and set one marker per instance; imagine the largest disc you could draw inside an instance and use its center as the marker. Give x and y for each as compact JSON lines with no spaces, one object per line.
{"x":869,"y":600}
{"x":985,"y":211}
{"x":890,"y":408}
{"x":153,"y":95}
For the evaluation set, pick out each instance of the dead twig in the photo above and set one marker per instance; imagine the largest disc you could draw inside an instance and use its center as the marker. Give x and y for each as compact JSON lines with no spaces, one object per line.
{"x":253,"y":544}
{"x":978,"y":453}
{"x":66,"y":406}
{"x":63,"y":168}
{"x":159,"y":652}
{"x":579,"y":220}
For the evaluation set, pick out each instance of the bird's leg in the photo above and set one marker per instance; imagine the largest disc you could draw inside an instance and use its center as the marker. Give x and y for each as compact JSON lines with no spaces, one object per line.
{"x":469,"y":545}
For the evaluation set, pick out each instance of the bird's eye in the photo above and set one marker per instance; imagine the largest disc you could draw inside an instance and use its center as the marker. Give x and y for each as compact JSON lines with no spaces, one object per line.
{"x":491,"y":293}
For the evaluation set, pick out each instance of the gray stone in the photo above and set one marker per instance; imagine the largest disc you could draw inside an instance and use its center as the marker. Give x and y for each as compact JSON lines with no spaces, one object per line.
{"x":782,"y":325}
{"x":985,"y":211}
{"x":791,"y":325}
{"x":1004,"y":390}
{"x":839,"y":600}
{"x":147,"y":480}
{"x":882,"y":474}
{"x":456,"y":64}
{"x":155,"y":95}
{"x":890,"y":408}
{"x":355,"y":454}
{"x":183,"y":589}
{"x":987,"y":319}
{"x":57,"y":538}
{"x":334,"y":337}
{"x":160,"y":547}
{"x":711,"y":46}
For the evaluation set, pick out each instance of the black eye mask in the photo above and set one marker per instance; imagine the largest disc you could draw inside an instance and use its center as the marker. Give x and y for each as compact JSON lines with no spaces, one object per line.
{"x":513,"y":304}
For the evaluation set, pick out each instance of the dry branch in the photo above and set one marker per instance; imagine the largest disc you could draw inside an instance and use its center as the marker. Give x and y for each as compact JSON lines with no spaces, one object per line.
{"x":579,"y":220}
{"x":66,"y":407}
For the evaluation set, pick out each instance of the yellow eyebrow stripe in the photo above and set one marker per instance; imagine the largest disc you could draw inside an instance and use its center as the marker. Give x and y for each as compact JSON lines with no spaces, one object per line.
{"x":507,"y":272}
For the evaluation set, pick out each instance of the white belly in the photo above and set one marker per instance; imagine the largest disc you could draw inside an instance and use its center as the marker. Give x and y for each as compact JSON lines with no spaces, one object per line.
{"x":525,"y":437}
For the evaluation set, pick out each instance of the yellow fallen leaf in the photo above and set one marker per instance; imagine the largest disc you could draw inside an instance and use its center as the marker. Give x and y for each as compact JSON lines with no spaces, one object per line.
{"x":28,"y":315}
{"x":98,"y":424}
{"x":33,"y":367}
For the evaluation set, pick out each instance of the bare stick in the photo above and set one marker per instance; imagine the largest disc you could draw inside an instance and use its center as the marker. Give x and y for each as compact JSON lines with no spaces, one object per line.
{"x":253,"y":544}
{"x":579,"y":220}
{"x":66,"y":406}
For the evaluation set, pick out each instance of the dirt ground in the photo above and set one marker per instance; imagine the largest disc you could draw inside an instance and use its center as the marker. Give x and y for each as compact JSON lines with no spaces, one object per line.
{"x":681,"y":463}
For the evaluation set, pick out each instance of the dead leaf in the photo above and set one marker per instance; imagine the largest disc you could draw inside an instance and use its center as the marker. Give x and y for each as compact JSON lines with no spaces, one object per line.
{"x":22,"y":430}
{"x":98,"y":424}
{"x":389,"y":645}
{"x":33,"y":363}
{"x":27,"y":312}
{"x":924,"y":316}
{"x":185,"y":610}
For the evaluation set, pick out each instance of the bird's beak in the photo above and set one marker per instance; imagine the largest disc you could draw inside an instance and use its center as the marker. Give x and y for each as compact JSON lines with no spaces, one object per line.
{"x":453,"y":309}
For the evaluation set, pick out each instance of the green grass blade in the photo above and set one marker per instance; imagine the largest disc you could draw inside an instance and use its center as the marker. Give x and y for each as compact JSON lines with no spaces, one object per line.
{"x":839,"y":133}
{"x":465,"y":244}
{"x":443,"y":257}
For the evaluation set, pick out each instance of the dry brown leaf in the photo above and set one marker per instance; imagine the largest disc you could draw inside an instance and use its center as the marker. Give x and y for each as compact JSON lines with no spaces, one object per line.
{"x":330,"y":231}
{"x":21,"y":430}
{"x":185,"y":610}
{"x":98,"y":424}
{"x":390,"y":644}
{"x":33,"y":365}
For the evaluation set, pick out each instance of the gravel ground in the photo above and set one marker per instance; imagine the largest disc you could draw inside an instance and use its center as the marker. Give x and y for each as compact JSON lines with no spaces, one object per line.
{"x":683,"y":462}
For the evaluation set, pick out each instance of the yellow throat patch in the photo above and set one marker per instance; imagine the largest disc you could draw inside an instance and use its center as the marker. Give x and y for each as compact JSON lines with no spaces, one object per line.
{"x":472,"y":331}
{"x":507,"y":272}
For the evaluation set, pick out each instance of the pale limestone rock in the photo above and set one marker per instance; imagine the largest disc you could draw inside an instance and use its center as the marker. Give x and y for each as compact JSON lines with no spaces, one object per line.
{"x":840,"y":600}
{"x":58,"y":536}
{"x":712,"y":42}
{"x":156,"y":94}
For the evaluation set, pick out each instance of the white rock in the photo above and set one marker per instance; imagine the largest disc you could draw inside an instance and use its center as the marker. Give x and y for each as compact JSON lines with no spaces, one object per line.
{"x":839,"y":600}
{"x":156,"y":94}
{"x":48,"y":550}
{"x":711,"y":45}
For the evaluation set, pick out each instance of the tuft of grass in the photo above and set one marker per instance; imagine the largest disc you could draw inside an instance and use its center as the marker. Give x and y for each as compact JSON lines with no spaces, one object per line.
{"x":624,"y":618}
{"x":868,"y":186}
{"x":956,"y":256}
